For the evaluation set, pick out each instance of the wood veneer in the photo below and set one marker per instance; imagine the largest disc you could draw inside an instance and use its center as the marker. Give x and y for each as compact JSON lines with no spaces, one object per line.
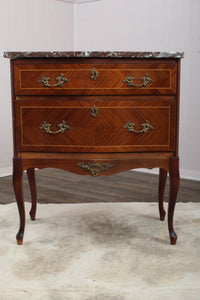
{"x":104,"y":133}
{"x":101,"y":144}
{"x":111,"y":75}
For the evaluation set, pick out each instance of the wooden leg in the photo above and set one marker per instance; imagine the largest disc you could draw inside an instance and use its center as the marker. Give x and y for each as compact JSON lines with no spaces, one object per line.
{"x":18,"y":189}
{"x":161,"y":190}
{"x":174,"y":185}
{"x":32,"y":183}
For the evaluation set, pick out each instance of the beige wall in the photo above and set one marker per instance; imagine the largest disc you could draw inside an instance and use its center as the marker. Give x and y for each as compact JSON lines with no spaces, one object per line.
{"x":153,"y":25}
{"x":129,"y":25}
{"x":27,"y":25}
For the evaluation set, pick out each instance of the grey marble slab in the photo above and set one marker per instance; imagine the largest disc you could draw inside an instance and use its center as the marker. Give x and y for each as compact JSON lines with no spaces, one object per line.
{"x":104,"y":54}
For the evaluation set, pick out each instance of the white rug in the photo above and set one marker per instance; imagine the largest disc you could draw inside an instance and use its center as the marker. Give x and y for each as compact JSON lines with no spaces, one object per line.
{"x":101,"y":251}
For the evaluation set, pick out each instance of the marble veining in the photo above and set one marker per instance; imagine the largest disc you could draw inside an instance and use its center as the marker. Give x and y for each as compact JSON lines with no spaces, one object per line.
{"x":104,"y":54}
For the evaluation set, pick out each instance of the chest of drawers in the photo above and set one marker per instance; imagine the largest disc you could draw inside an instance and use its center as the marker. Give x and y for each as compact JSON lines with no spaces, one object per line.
{"x":95,"y":113}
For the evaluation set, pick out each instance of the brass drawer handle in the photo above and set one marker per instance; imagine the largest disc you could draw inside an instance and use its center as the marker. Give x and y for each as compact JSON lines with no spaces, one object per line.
{"x":94,"y":167}
{"x":94,"y":74}
{"x":145,"y":81}
{"x":61,"y":80}
{"x":145,"y":127}
{"x":62,"y":128}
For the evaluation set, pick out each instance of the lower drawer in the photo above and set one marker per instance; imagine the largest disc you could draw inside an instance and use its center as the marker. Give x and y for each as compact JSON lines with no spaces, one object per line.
{"x":95,"y":126}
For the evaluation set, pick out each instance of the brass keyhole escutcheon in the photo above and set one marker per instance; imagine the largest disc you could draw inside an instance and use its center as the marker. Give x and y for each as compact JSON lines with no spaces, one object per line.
{"x":94,"y":74}
{"x":94,"y":111}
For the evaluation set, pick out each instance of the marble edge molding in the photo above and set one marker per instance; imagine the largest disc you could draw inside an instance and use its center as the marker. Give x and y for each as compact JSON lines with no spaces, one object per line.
{"x":105,"y":54}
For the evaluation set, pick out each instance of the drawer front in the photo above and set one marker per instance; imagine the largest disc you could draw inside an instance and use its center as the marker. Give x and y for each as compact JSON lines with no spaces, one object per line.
{"x":95,"y":126}
{"x":110,"y":78}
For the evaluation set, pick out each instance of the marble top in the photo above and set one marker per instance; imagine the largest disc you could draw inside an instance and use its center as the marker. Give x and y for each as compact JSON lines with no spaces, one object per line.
{"x":104,"y":54}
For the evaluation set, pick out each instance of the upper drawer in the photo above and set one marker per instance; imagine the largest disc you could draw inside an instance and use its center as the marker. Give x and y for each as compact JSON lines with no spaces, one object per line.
{"x":96,"y":78}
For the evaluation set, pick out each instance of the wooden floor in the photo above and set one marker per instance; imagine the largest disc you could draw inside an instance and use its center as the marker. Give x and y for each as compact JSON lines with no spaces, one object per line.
{"x":57,"y":186}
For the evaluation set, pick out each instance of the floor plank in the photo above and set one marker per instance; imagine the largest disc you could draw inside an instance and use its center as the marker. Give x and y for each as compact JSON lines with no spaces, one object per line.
{"x":57,"y":186}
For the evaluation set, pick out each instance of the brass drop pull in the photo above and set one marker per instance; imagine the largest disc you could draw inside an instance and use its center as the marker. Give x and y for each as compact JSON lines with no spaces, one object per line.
{"x":145,"y":81}
{"x":145,"y":127}
{"x":94,"y":74}
{"x":61,"y":80}
{"x":94,"y":167}
{"x":62,"y":128}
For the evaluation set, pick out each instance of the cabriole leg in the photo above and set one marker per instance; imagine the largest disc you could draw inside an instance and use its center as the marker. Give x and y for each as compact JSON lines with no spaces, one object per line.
{"x":18,"y":189}
{"x":174,"y":186}
{"x":32,"y":184}
{"x":161,"y":190}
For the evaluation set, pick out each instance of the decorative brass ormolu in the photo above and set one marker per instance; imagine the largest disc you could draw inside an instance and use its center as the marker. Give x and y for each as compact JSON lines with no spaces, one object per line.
{"x":145,"y":127}
{"x":94,"y":111}
{"x":94,"y":74}
{"x":62,"y":128}
{"x":94,"y":167}
{"x":61,"y":80}
{"x":145,"y":81}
